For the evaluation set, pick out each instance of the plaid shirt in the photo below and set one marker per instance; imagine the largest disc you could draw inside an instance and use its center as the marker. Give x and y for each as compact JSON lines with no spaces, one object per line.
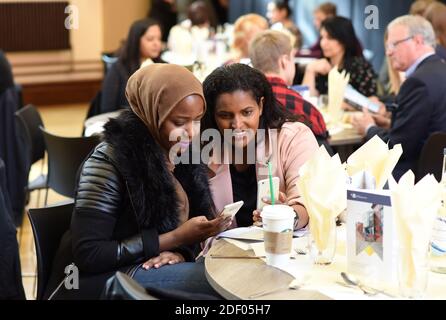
{"x":293,"y":102}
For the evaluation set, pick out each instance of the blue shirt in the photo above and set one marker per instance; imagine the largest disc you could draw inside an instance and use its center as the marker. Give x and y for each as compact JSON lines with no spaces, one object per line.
{"x":417,"y":62}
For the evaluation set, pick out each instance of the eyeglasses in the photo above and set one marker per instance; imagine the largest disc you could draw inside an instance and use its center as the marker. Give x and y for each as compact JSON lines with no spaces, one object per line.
{"x":392,"y":46}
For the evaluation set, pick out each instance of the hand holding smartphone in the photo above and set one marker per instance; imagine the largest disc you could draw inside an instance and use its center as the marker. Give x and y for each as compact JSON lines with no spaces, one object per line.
{"x":230,"y":210}
{"x":263,"y":190}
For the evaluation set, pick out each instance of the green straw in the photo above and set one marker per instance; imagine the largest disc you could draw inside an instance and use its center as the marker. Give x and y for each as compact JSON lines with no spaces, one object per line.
{"x":271,"y":188}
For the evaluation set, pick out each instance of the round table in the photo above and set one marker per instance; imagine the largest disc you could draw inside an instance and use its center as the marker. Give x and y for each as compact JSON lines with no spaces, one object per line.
{"x":237,"y":279}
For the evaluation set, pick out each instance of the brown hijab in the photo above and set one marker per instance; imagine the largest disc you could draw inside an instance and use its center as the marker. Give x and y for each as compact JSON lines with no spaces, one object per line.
{"x":154,"y":91}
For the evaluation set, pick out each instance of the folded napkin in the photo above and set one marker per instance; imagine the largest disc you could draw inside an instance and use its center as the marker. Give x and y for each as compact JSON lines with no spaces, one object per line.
{"x":415,"y":208}
{"x":376,"y":158}
{"x":337,"y":83}
{"x":322,"y":187}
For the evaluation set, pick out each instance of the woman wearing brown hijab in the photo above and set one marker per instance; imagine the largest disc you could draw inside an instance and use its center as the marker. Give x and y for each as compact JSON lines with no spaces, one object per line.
{"x":134,"y":210}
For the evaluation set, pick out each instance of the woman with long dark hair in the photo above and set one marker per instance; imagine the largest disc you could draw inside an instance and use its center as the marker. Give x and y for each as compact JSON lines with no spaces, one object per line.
{"x":341,"y":49}
{"x":240,"y":99}
{"x":143,"y":42}
{"x":279,"y":14}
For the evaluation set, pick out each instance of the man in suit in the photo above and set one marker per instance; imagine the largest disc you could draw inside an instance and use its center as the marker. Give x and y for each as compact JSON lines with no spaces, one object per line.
{"x":421,"y":102}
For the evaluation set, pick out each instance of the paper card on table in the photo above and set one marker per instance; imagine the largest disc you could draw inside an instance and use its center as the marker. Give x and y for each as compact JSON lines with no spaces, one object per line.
{"x":363,"y":180}
{"x":245,"y":233}
{"x":244,"y":245}
{"x":371,"y":236}
{"x":253,"y":234}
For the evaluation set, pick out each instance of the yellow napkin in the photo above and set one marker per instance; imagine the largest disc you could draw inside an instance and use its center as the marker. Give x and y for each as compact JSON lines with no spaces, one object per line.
{"x":337,"y":82}
{"x":415,"y":208}
{"x":376,"y":158}
{"x":323,"y":189}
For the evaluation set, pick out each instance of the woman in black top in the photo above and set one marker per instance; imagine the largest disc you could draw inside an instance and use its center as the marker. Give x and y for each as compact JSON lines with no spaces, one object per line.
{"x":341,"y":48}
{"x":143,"y":42}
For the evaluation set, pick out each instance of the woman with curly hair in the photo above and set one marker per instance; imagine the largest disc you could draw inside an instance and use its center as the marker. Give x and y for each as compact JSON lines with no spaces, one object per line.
{"x":240,"y":101}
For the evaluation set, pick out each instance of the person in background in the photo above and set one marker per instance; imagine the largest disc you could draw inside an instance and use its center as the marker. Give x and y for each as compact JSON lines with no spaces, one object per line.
{"x":245,"y":29}
{"x":418,"y":7}
{"x":385,"y":78}
{"x":143,"y":42}
{"x":220,"y":8}
{"x":165,"y":12}
{"x":435,"y":13}
{"x":388,"y":92}
{"x":272,"y":53}
{"x":341,"y":49}
{"x":186,"y":37}
{"x":135,"y":211}
{"x":6,"y":76}
{"x":240,"y":99}
{"x":198,"y":14}
{"x":421,"y":101}
{"x":13,"y":151}
{"x":322,"y":12}
{"x":279,"y":15}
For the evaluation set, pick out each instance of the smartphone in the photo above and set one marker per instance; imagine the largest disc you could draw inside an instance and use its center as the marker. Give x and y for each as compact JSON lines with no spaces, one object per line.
{"x":263,"y":191}
{"x":231,"y":209}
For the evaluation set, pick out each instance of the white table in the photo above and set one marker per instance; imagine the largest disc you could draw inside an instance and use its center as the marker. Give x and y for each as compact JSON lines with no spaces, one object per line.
{"x":95,"y":125}
{"x":241,"y":278}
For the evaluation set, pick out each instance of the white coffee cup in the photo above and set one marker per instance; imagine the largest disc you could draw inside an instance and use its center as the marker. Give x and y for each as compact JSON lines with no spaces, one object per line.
{"x":278,"y":224}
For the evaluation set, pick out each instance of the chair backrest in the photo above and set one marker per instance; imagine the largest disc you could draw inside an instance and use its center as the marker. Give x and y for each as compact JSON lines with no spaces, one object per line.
{"x":29,"y":122}
{"x":108,"y":60}
{"x":48,"y":225}
{"x":431,"y":158}
{"x":65,"y":156}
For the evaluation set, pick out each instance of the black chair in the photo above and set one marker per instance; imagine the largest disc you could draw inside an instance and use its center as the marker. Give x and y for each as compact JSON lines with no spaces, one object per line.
{"x":65,"y":156}
{"x":108,"y":59}
{"x":48,"y":225}
{"x":19,"y":89}
{"x":28,"y":122}
{"x":431,"y":158}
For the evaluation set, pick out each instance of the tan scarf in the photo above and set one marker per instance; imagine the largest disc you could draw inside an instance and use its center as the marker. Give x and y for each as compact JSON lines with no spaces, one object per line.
{"x":154,"y":91}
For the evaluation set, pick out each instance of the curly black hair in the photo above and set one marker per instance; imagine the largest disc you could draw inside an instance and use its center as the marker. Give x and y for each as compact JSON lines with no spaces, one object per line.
{"x":237,"y":76}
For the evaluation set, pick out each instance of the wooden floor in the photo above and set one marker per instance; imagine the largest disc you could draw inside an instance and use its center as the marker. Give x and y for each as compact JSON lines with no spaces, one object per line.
{"x":65,"y":120}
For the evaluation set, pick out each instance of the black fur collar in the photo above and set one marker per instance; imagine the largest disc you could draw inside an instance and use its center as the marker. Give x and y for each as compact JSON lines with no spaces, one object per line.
{"x":142,"y":163}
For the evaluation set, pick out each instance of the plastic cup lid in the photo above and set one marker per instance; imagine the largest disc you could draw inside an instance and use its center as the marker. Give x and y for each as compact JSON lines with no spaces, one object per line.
{"x":277,"y":212}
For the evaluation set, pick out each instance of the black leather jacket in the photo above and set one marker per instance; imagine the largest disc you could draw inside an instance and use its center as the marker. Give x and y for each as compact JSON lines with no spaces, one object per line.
{"x":126,"y":198}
